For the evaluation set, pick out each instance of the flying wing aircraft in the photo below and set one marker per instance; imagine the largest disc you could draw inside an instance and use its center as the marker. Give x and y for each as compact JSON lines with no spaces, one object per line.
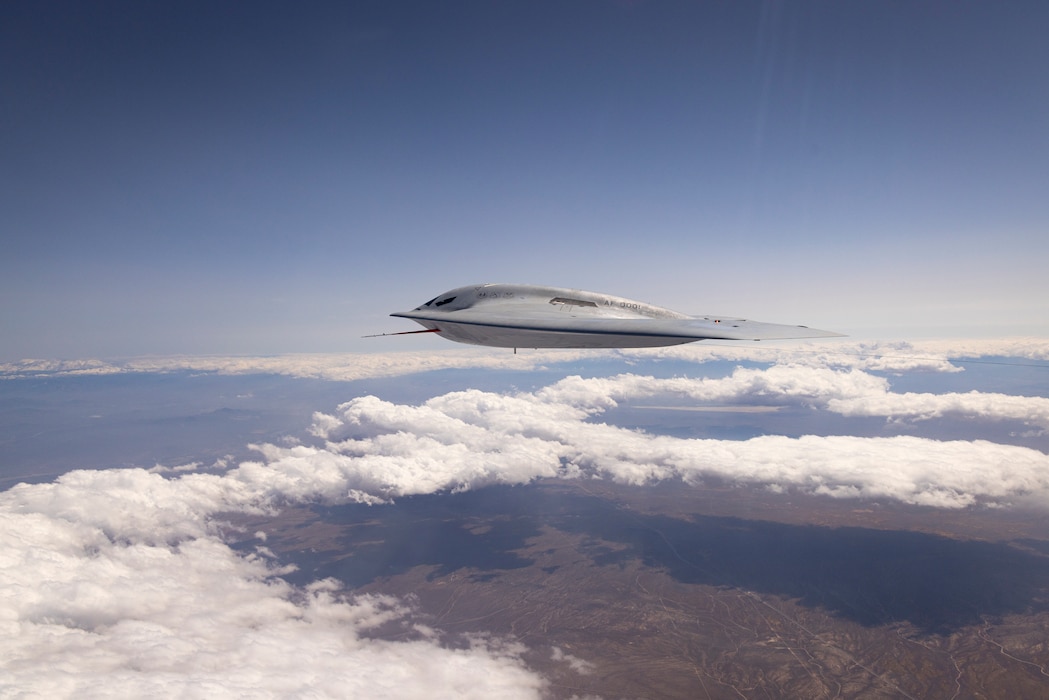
{"x":527,"y":316}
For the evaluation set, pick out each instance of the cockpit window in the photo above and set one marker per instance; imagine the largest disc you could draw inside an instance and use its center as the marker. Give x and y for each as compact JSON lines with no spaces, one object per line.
{"x":572,"y":302}
{"x":442,"y":302}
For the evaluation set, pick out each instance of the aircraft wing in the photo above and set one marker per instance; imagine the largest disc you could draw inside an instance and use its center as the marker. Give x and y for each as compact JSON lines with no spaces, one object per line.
{"x":562,"y":330}
{"x":530,"y":316}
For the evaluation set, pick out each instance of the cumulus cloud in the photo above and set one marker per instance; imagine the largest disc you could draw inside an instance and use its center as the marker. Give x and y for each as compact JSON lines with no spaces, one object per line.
{"x":850,"y":393}
{"x":117,"y":583}
{"x":120,"y":580}
{"x":468,"y":439}
{"x":576,"y":664}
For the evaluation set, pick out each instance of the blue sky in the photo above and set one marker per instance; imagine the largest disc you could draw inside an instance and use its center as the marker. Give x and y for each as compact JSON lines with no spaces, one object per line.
{"x":266,"y":177}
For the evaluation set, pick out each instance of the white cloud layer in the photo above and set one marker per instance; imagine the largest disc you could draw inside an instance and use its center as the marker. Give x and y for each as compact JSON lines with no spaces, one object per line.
{"x":116,"y":583}
{"x":849,"y":393}
{"x":467,"y":439}
{"x":874,"y":355}
{"x":119,"y":581}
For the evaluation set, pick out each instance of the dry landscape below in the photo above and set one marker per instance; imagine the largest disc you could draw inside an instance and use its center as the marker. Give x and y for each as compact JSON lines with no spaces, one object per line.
{"x":678,"y":591}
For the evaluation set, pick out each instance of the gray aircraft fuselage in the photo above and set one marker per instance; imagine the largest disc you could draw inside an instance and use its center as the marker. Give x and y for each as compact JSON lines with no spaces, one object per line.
{"x":528,"y":316}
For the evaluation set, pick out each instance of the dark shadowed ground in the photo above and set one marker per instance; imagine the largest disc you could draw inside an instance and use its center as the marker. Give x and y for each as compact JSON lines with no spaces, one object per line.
{"x":666,"y":590}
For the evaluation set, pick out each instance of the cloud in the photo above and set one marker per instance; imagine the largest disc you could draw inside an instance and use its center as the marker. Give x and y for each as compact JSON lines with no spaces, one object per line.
{"x":468,"y":439}
{"x":849,"y":393}
{"x":336,"y":367}
{"x":1033,"y":410}
{"x":120,"y":581}
{"x":116,"y":582}
{"x":576,"y":664}
{"x":898,"y":356}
